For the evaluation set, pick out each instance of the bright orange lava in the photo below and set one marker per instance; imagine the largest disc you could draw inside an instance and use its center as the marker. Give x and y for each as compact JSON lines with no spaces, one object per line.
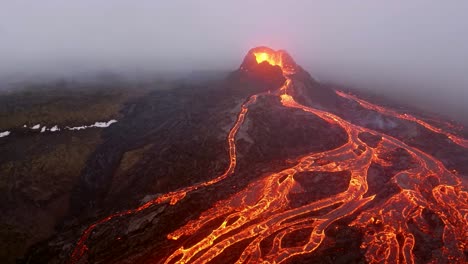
{"x":272,"y":59}
{"x":455,"y":139}
{"x":172,"y":197}
{"x":262,"y":212}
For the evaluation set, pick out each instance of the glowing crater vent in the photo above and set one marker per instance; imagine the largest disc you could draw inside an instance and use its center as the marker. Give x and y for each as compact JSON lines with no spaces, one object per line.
{"x":275,"y":58}
{"x":272,"y":59}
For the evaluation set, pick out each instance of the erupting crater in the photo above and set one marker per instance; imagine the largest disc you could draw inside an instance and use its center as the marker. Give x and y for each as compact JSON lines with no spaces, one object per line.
{"x":278,"y":58}
{"x":416,"y":210}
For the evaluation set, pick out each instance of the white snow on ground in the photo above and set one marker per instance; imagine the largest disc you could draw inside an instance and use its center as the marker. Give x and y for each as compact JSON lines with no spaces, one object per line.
{"x":76,"y":128}
{"x":56,"y":128}
{"x":97,"y":124}
{"x":104,"y":124}
{"x":4,"y":134}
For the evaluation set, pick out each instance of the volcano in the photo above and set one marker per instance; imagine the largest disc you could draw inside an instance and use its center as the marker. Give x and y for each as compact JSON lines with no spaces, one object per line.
{"x":270,"y":166}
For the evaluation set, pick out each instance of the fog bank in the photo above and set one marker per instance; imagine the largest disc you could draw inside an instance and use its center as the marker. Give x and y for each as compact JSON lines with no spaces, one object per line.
{"x":422,"y":46}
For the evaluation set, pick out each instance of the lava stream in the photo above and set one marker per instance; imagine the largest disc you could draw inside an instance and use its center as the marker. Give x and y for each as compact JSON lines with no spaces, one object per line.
{"x":262,"y":210}
{"x":385,"y":111}
{"x":261,"y":214}
{"x":172,"y":197}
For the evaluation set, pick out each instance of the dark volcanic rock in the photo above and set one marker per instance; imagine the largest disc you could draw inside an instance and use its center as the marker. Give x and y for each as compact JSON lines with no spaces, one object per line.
{"x":371,"y":140}
{"x":318,"y":185}
{"x":165,"y":141}
{"x":273,"y":132}
{"x":259,"y":78}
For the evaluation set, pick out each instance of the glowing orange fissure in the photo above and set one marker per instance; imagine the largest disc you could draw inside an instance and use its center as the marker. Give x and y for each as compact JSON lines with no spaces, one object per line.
{"x":261,"y":210}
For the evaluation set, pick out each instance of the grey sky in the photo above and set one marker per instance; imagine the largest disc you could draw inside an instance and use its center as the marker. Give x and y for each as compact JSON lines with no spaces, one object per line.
{"x":419,"y":41}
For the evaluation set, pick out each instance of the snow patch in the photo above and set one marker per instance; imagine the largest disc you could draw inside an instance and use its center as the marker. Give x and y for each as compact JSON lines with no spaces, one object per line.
{"x":104,"y":124}
{"x":76,"y":128}
{"x":4,"y":134}
{"x":97,"y":124}
{"x":56,"y":128}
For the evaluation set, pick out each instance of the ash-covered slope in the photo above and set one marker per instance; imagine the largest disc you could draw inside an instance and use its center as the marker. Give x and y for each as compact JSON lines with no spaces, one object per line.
{"x":270,"y":167}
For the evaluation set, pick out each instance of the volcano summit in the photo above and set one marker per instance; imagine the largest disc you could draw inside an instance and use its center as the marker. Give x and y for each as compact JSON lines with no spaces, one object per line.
{"x":269,"y":166}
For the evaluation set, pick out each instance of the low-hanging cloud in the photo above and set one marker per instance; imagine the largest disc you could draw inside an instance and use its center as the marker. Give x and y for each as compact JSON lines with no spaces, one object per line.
{"x":420,"y":48}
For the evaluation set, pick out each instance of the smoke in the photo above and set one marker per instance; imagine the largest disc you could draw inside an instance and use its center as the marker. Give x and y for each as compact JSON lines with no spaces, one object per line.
{"x":412,"y":50}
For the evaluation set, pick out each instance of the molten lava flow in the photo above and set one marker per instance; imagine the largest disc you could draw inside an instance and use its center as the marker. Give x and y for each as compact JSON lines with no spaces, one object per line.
{"x":262,"y":218}
{"x":457,"y":140}
{"x":261,"y":212}
{"x":173,"y":197}
{"x":272,"y":59}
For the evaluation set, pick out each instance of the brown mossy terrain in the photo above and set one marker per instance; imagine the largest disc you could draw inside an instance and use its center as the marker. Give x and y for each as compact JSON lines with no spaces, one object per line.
{"x":38,"y":171}
{"x":129,"y":160}
{"x":41,"y":174}
{"x":65,"y":104}
{"x":34,"y":191}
